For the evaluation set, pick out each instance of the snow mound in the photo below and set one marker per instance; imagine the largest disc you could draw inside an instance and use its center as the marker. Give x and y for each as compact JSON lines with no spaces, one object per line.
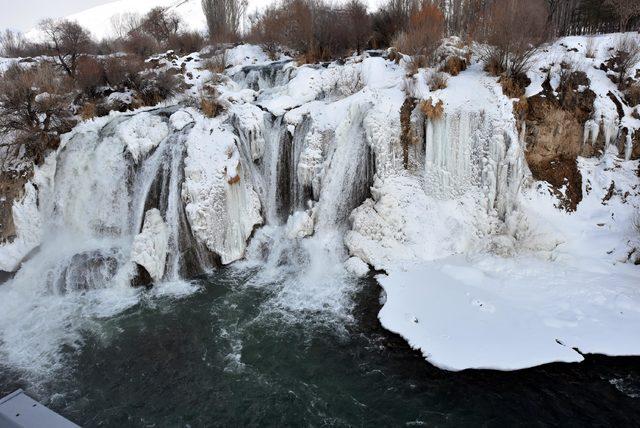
{"x":142,"y":133}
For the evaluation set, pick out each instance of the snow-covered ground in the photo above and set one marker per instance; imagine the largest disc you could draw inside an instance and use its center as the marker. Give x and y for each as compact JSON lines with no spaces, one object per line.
{"x":574,"y":290}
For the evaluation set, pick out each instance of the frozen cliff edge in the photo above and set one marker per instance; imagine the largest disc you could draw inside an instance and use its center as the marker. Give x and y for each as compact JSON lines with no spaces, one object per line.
{"x":221,"y":205}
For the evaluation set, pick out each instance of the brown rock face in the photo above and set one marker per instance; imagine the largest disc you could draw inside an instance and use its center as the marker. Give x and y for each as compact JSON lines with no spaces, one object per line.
{"x":11,"y":188}
{"x":554,"y":137}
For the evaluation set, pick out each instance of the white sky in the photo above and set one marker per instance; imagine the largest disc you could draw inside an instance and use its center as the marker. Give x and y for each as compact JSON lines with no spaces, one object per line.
{"x":25,"y":14}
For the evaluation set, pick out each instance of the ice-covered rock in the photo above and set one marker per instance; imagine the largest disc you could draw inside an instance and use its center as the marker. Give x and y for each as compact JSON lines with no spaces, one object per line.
{"x":180,"y":119}
{"x":356,"y":267}
{"x":221,"y":205}
{"x":142,"y":133}
{"x":300,"y":225}
{"x":150,"y":246}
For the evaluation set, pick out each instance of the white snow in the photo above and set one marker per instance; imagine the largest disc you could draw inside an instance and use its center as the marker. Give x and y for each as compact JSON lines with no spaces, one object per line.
{"x":150,"y":246}
{"x":142,"y":133}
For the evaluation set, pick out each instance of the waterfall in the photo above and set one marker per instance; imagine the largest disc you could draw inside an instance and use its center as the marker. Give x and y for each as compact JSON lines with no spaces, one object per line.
{"x":100,"y":197}
{"x":260,"y":77}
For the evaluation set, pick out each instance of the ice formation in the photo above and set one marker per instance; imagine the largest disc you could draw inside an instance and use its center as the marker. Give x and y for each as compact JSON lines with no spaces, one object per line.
{"x":151,"y":244}
{"x":221,"y":205}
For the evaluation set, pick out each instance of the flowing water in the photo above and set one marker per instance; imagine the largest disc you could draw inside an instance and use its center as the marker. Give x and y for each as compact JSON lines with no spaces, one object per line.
{"x":234,"y":353}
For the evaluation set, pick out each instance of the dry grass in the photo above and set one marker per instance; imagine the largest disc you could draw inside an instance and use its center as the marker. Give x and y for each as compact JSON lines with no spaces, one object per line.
{"x":431,"y":111}
{"x":511,"y":87}
{"x":591,"y":48}
{"x":417,"y":62}
{"x":210,"y":107}
{"x":520,"y":108}
{"x":454,"y":65}
{"x":632,"y":94}
{"x":88,"y":111}
{"x":437,"y":81}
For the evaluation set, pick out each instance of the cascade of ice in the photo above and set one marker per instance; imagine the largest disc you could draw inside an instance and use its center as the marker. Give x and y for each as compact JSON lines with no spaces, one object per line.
{"x":350,"y":174}
{"x":100,"y":197}
{"x":466,"y":150}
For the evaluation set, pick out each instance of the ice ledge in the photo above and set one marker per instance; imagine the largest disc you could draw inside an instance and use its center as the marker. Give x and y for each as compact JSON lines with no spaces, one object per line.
{"x":510,"y":314}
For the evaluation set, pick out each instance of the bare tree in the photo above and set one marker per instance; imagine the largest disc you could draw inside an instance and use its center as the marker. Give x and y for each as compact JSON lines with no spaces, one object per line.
{"x":513,"y":30}
{"x":67,"y":41}
{"x":12,"y":44}
{"x":627,"y":56}
{"x":359,"y":23}
{"x":423,"y":31}
{"x":125,"y":23}
{"x":224,"y":17}
{"x":161,"y":24}
{"x":625,"y":10}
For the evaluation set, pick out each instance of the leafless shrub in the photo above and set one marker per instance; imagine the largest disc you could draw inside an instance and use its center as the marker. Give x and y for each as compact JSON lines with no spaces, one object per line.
{"x":34,"y":107}
{"x":90,"y":75}
{"x":513,"y":30}
{"x":122,"y":71}
{"x":187,"y":42}
{"x":156,"y":86}
{"x":632,"y":94}
{"x":141,"y":44}
{"x":628,"y":55}
{"x":437,"y":81}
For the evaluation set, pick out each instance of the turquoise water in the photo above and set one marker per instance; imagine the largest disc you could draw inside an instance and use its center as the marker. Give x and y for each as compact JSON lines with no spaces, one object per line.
{"x":234,"y":354}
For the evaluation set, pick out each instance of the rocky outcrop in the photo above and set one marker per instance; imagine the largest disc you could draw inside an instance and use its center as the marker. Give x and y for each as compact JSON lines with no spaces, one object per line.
{"x":11,"y":189}
{"x":554,"y":136}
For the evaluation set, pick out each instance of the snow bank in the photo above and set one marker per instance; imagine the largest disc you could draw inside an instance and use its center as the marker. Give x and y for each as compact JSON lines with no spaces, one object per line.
{"x":221,"y":205}
{"x":151,"y":244}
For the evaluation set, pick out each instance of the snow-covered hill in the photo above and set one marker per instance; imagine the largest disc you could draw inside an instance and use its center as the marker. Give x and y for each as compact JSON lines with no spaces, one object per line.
{"x":99,"y":20}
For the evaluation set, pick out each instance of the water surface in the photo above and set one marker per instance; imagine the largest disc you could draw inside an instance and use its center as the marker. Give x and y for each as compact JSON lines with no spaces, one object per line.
{"x":235,"y":353}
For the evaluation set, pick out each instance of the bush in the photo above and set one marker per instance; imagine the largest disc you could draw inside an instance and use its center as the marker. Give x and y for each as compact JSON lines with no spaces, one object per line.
{"x":35,"y":107}
{"x":123,"y":71}
{"x":90,"y":75}
{"x":437,"y":81}
{"x":141,"y":44}
{"x":454,"y":65}
{"x":155,"y":86}
{"x":513,"y":30}
{"x":186,"y":43}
